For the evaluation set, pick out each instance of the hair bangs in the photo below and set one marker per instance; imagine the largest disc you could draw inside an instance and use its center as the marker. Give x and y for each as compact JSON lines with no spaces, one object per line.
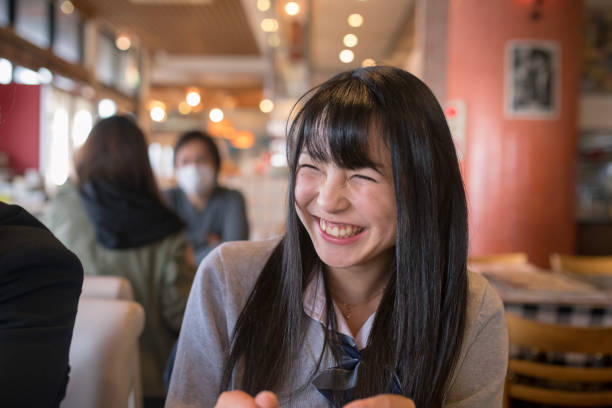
{"x":336,"y":123}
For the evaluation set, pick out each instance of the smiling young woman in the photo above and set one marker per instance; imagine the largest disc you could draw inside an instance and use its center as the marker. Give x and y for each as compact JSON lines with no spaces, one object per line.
{"x":366,"y":300}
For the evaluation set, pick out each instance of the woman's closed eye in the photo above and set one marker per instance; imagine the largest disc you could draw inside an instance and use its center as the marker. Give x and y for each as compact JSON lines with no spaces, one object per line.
{"x":363,"y":177}
{"x":307,"y":166}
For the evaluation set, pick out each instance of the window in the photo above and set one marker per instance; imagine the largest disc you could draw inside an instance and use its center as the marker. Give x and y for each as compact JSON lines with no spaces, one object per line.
{"x":106,"y":69}
{"x":82,"y":123}
{"x":33,"y":22}
{"x":4,"y":12}
{"x":129,"y":79}
{"x":67,"y":42}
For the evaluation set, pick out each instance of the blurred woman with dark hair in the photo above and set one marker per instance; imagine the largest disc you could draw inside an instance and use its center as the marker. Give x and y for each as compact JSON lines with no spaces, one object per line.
{"x":114,"y":219}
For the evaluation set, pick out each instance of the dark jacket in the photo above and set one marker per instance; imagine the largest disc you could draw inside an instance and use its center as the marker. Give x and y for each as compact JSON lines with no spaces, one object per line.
{"x":40,"y":284}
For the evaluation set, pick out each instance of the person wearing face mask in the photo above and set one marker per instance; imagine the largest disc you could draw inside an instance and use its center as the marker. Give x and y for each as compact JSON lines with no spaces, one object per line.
{"x":212,"y":213}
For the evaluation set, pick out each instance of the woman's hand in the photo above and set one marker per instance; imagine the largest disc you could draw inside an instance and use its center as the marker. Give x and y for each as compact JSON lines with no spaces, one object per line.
{"x":240,"y":399}
{"x":382,"y":401}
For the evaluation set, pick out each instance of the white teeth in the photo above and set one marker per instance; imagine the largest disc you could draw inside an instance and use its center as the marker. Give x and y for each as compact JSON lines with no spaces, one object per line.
{"x":343,"y":231}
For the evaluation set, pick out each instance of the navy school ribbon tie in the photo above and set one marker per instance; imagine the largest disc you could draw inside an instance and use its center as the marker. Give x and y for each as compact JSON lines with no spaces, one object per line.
{"x":337,"y":384}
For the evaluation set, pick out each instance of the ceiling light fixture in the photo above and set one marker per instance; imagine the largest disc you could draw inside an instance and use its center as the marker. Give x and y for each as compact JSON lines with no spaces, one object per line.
{"x":350,"y":40}
{"x":346,"y":56}
{"x":106,"y":108}
{"x":266,"y":105}
{"x":269,"y":25}
{"x":263,"y":5}
{"x":292,"y":8}
{"x":193,"y":98}
{"x":184,"y":108}
{"x":216,"y":115}
{"x":368,"y":62}
{"x":355,"y":20}
{"x":67,"y":7}
{"x":123,"y":42}
{"x":158,"y":114}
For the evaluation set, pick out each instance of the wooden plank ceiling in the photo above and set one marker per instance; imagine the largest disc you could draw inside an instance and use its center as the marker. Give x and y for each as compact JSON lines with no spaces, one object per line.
{"x":217,"y":27}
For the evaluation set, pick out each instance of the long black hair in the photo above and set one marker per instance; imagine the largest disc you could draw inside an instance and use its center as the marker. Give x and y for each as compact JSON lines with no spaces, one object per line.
{"x":418,"y":329}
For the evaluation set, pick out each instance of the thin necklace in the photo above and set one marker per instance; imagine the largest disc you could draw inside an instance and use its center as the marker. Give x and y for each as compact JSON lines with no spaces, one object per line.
{"x":349,"y":307}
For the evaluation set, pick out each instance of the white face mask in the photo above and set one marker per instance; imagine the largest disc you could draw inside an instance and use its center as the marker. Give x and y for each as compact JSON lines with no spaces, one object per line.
{"x":194,"y":179}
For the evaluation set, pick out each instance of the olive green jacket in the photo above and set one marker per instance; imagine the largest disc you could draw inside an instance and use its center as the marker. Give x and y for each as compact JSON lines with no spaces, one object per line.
{"x":160,"y":274}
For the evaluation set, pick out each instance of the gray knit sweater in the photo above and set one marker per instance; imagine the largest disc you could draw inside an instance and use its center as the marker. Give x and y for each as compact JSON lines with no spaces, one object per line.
{"x":220,"y":289}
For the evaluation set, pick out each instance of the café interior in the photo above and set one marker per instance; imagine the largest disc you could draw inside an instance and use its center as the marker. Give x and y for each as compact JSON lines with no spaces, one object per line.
{"x":525,"y":86}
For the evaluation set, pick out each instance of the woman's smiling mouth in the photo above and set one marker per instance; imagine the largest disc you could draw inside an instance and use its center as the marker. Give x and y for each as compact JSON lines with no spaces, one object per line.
{"x":337,"y":230}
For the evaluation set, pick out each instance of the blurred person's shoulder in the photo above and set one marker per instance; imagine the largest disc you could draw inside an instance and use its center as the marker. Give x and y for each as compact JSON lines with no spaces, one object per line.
{"x":65,"y":200}
{"x":27,"y":246}
{"x":229,"y":193}
{"x":172,"y":195}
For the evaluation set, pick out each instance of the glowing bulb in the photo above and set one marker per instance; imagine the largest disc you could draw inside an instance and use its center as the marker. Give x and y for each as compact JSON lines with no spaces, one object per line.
{"x":266,"y":106}
{"x":123,"y":42}
{"x":292,"y":8}
{"x":6,"y":71}
{"x":158,"y":114}
{"x":350,"y":40}
{"x":346,"y":56}
{"x":368,"y":62}
{"x":269,"y":25}
{"x":355,"y":20}
{"x":106,"y":108}
{"x":263,"y":5}
{"x":184,"y":108}
{"x":216,"y":115}
{"x":44,"y":75}
{"x":67,"y":7}
{"x":193,"y":98}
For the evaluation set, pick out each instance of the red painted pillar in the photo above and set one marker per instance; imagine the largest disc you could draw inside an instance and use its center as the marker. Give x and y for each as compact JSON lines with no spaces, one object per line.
{"x":519,"y":173}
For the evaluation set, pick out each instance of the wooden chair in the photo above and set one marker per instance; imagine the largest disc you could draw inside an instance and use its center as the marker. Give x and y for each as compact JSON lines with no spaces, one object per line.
{"x":512,"y":258}
{"x":587,"y":265}
{"x":556,"y":338}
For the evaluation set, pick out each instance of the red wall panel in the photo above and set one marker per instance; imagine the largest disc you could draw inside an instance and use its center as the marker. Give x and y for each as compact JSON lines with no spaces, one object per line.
{"x":20,"y":124}
{"x":519,"y":173}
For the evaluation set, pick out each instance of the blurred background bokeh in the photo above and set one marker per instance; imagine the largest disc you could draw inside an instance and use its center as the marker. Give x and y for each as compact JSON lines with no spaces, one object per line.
{"x":538,"y":171}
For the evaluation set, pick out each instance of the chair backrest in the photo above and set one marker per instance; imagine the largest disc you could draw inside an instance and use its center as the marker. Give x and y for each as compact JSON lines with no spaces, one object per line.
{"x":512,"y":258}
{"x":107,"y":287}
{"x":104,"y":355}
{"x":587,"y":265}
{"x":558,"y":338}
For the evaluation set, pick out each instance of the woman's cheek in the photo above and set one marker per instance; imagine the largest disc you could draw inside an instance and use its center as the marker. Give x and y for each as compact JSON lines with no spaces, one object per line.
{"x":305,"y":188}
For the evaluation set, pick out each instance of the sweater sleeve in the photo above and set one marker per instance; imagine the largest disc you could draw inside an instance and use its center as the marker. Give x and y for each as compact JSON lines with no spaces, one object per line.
{"x":221,"y":287}
{"x":204,"y":339}
{"x":478,"y":380}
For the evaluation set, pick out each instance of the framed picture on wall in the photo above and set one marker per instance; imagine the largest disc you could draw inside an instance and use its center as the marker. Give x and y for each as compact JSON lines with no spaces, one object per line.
{"x":532,"y":79}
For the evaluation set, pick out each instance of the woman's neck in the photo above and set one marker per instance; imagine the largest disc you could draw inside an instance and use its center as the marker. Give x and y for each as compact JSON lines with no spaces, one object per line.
{"x":356,"y":294}
{"x":356,"y":285}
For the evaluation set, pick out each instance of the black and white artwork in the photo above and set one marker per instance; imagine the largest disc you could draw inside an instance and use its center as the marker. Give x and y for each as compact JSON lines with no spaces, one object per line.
{"x":532,"y":79}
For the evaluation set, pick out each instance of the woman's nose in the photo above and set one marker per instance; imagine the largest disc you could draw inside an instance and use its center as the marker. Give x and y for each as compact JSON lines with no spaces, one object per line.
{"x":332,"y":195}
